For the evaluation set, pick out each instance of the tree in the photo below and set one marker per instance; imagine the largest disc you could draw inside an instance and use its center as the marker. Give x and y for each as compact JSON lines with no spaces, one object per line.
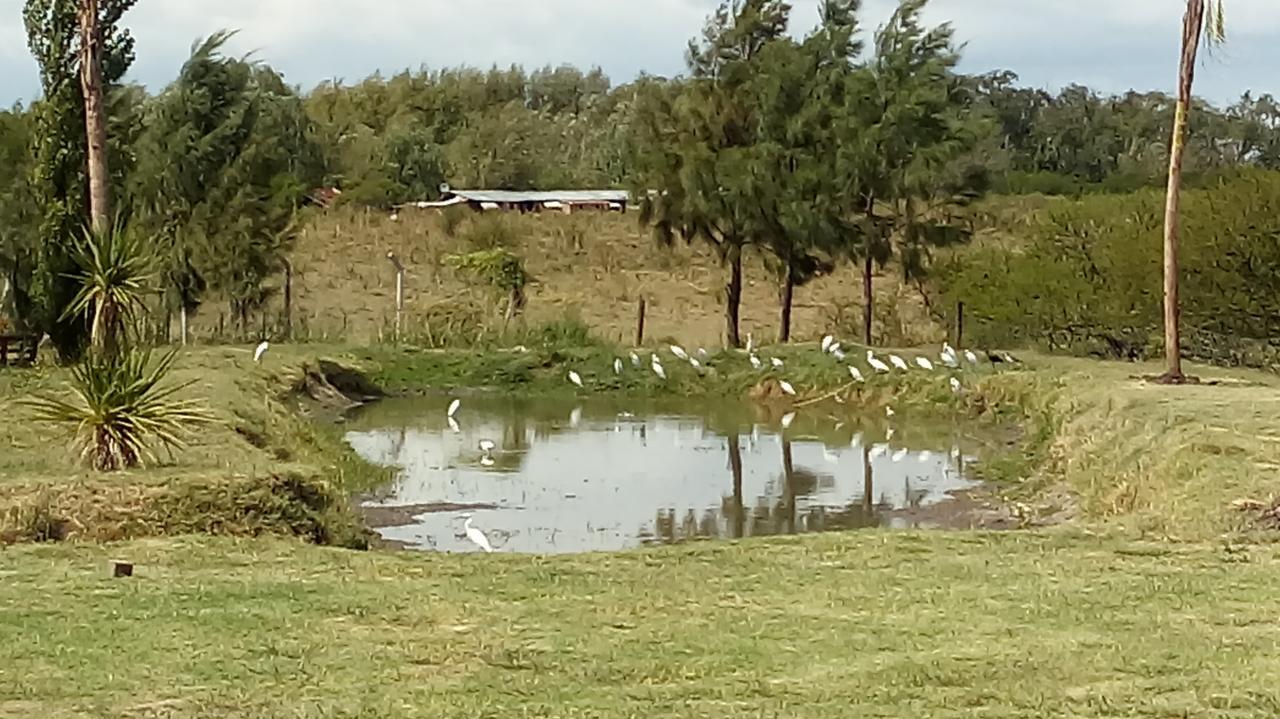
{"x":95,"y":113}
{"x":60,"y":159}
{"x":695,"y":143}
{"x":1204,"y":20}
{"x":19,"y":219}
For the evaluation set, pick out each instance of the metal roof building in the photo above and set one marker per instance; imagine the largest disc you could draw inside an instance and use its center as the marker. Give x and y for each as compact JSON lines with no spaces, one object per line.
{"x":566,"y":201}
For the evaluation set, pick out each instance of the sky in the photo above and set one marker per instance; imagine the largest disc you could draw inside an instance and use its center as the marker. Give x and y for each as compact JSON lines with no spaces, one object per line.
{"x":1111,"y":45}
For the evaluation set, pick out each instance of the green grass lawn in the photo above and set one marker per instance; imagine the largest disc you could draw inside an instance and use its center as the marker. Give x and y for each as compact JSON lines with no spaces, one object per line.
{"x":856,"y":625}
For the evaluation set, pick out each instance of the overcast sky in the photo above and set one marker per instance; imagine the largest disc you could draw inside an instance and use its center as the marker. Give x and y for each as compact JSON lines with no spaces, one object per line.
{"x":1112,"y":45}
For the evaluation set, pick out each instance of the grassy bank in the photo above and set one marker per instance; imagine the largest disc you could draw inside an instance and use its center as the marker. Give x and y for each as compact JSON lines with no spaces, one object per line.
{"x":261,"y":467}
{"x":889,"y":625}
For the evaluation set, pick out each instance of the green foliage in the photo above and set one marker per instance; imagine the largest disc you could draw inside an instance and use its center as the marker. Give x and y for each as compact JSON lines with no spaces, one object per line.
{"x":119,"y":411}
{"x":19,"y":218}
{"x":498,"y":267}
{"x":491,"y":231}
{"x":223,"y":165}
{"x":58,"y":174}
{"x":1088,"y":281}
{"x":116,"y":275}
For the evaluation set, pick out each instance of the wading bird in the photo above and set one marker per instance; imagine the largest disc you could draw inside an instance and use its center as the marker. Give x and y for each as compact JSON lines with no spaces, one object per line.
{"x":787,"y":389}
{"x":486,"y":446}
{"x":788,"y":419}
{"x":899,"y":455}
{"x":856,"y":374}
{"x":955,"y":386}
{"x":575,"y":378}
{"x":969,"y":355}
{"x":476,"y":536}
{"x":888,"y":412}
{"x":678,"y":351}
{"x":898,"y":362}
{"x":756,"y":363}
{"x":617,"y":366}
{"x":776,"y":362}
{"x":635,"y":360}
{"x":657,"y":368}
{"x":827,"y":342}
{"x":454,"y":406}
{"x":875,"y":363}
{"x":924,"y":363}
{"x":260,"y":351}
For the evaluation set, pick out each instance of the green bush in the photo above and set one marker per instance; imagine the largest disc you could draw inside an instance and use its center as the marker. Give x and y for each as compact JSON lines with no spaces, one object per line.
{"x":1088,"y":279}
{"x":491,"y":231}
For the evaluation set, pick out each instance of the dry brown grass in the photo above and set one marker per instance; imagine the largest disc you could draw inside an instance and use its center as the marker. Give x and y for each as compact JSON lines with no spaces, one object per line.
{"x":593,"y":266}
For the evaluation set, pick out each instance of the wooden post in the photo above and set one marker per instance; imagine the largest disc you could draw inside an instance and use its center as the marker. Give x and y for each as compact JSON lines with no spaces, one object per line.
{"x":395,"y":262}
{"x":288,"y":300}
{"x":640,"y":324}
{"x":959,"y":324}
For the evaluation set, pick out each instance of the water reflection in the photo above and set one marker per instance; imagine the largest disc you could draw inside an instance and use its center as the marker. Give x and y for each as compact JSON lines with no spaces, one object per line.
{"x":601,"y":476}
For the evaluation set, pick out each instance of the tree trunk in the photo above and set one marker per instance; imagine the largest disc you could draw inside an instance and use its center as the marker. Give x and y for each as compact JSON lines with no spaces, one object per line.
{"x":867,"y":301}
{"x":738,"y":520}
{"x":787,"y":293}
{"x":95,"y":116}
{"x":733,"y":298}
{"x":1192,"y":26}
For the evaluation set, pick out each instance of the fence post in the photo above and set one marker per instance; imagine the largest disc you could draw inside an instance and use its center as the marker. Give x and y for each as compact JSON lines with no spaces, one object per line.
{"x":395,"y":262}
{"x":640,"y":324}
{"x":959,"y":324}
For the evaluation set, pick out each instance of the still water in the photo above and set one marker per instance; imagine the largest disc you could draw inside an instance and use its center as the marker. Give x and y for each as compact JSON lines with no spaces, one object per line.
{"x":594,"y":475}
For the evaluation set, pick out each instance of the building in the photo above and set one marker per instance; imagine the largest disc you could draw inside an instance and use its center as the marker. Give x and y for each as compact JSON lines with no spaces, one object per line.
{"x":564,"y":201}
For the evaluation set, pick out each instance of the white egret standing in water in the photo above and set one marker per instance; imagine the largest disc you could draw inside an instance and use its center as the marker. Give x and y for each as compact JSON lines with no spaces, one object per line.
{"x":454,"y":406}
{"x":617,"y":366}
{"x":786,"y":388}
{"x":856,"y":374}
{"x":476,"y":536}
{"x":875,"y":363}
{"x":575,"y":378}
{"x":898,"y":362}
{"x":260,"y":351}
{"x":925,"y":364}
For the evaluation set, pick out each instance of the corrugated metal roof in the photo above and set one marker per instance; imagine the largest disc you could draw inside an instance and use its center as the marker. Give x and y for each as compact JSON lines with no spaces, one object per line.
{"x":566,"y":196}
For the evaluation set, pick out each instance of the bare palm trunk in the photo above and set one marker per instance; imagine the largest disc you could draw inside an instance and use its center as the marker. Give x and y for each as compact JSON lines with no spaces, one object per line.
{"x":787,"y":295}
{"x":1192,"y":27}
{"x":733,"y":298}
{"x":95,"y":116}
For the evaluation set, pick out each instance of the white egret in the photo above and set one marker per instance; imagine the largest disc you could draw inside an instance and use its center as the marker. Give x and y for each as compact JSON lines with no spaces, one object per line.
{"x":899,"y":455}
{"x":395,"y":217}
{"x":657,"y":368}
{"x":702,"y":353}
{"x":856,"y":374}
{"x":694,"y":363}
{"x":617,"y":366}
{"x":776,"y":362}
{"x":788,"y":419}
{"x":827,"y":342}
{"x":835,"y":348}
{"x":635,"y":360}
{"x":950,"y":360}
{"x":898,"y":362}
{"x":678,"y":351}
{"x":260,"y":351}
{"x":875,"y":363}
{"x":888,"y":412}
{"x":476,"y":536}
{"x":925,"y":364}
{"x":786,"y":388}
{"x":575,"y":378}
{"x":969,"y":355}
{"x":756,"y":363}
{"x":454,"y":406}
{"x":839,"y":354}
{"x":955,"y":386}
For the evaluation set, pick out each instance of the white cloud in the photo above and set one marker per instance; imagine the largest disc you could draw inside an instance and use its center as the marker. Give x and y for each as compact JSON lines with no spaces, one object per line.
{"x":1110,"y":44}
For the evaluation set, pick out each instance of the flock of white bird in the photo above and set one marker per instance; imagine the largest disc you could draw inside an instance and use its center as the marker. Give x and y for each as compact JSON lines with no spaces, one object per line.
{"x":949,"y":360}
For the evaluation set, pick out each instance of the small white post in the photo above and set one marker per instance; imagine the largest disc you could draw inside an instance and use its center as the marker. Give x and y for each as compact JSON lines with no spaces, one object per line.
{"x":395,"y":262}
{"x":182,"y":321}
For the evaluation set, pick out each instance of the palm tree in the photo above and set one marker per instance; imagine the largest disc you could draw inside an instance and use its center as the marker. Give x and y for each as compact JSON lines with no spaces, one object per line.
{"x":115,"y":278}
{"x":1204,"y":22}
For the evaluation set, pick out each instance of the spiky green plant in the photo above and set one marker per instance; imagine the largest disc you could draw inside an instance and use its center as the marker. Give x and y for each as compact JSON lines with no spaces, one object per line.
{"x":120,"y":411}
{"x":116,"y":275}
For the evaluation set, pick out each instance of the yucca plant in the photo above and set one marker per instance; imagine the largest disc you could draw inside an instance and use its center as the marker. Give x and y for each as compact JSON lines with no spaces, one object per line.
{"x":120,"y":411}
{"x":116,"y":275}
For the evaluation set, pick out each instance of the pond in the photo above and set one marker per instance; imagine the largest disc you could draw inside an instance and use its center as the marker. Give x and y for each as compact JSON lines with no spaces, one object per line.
{"x":567,"y":475}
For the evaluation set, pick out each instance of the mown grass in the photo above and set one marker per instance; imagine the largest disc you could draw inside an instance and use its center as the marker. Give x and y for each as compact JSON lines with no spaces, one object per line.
{"x":855,"y":625}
